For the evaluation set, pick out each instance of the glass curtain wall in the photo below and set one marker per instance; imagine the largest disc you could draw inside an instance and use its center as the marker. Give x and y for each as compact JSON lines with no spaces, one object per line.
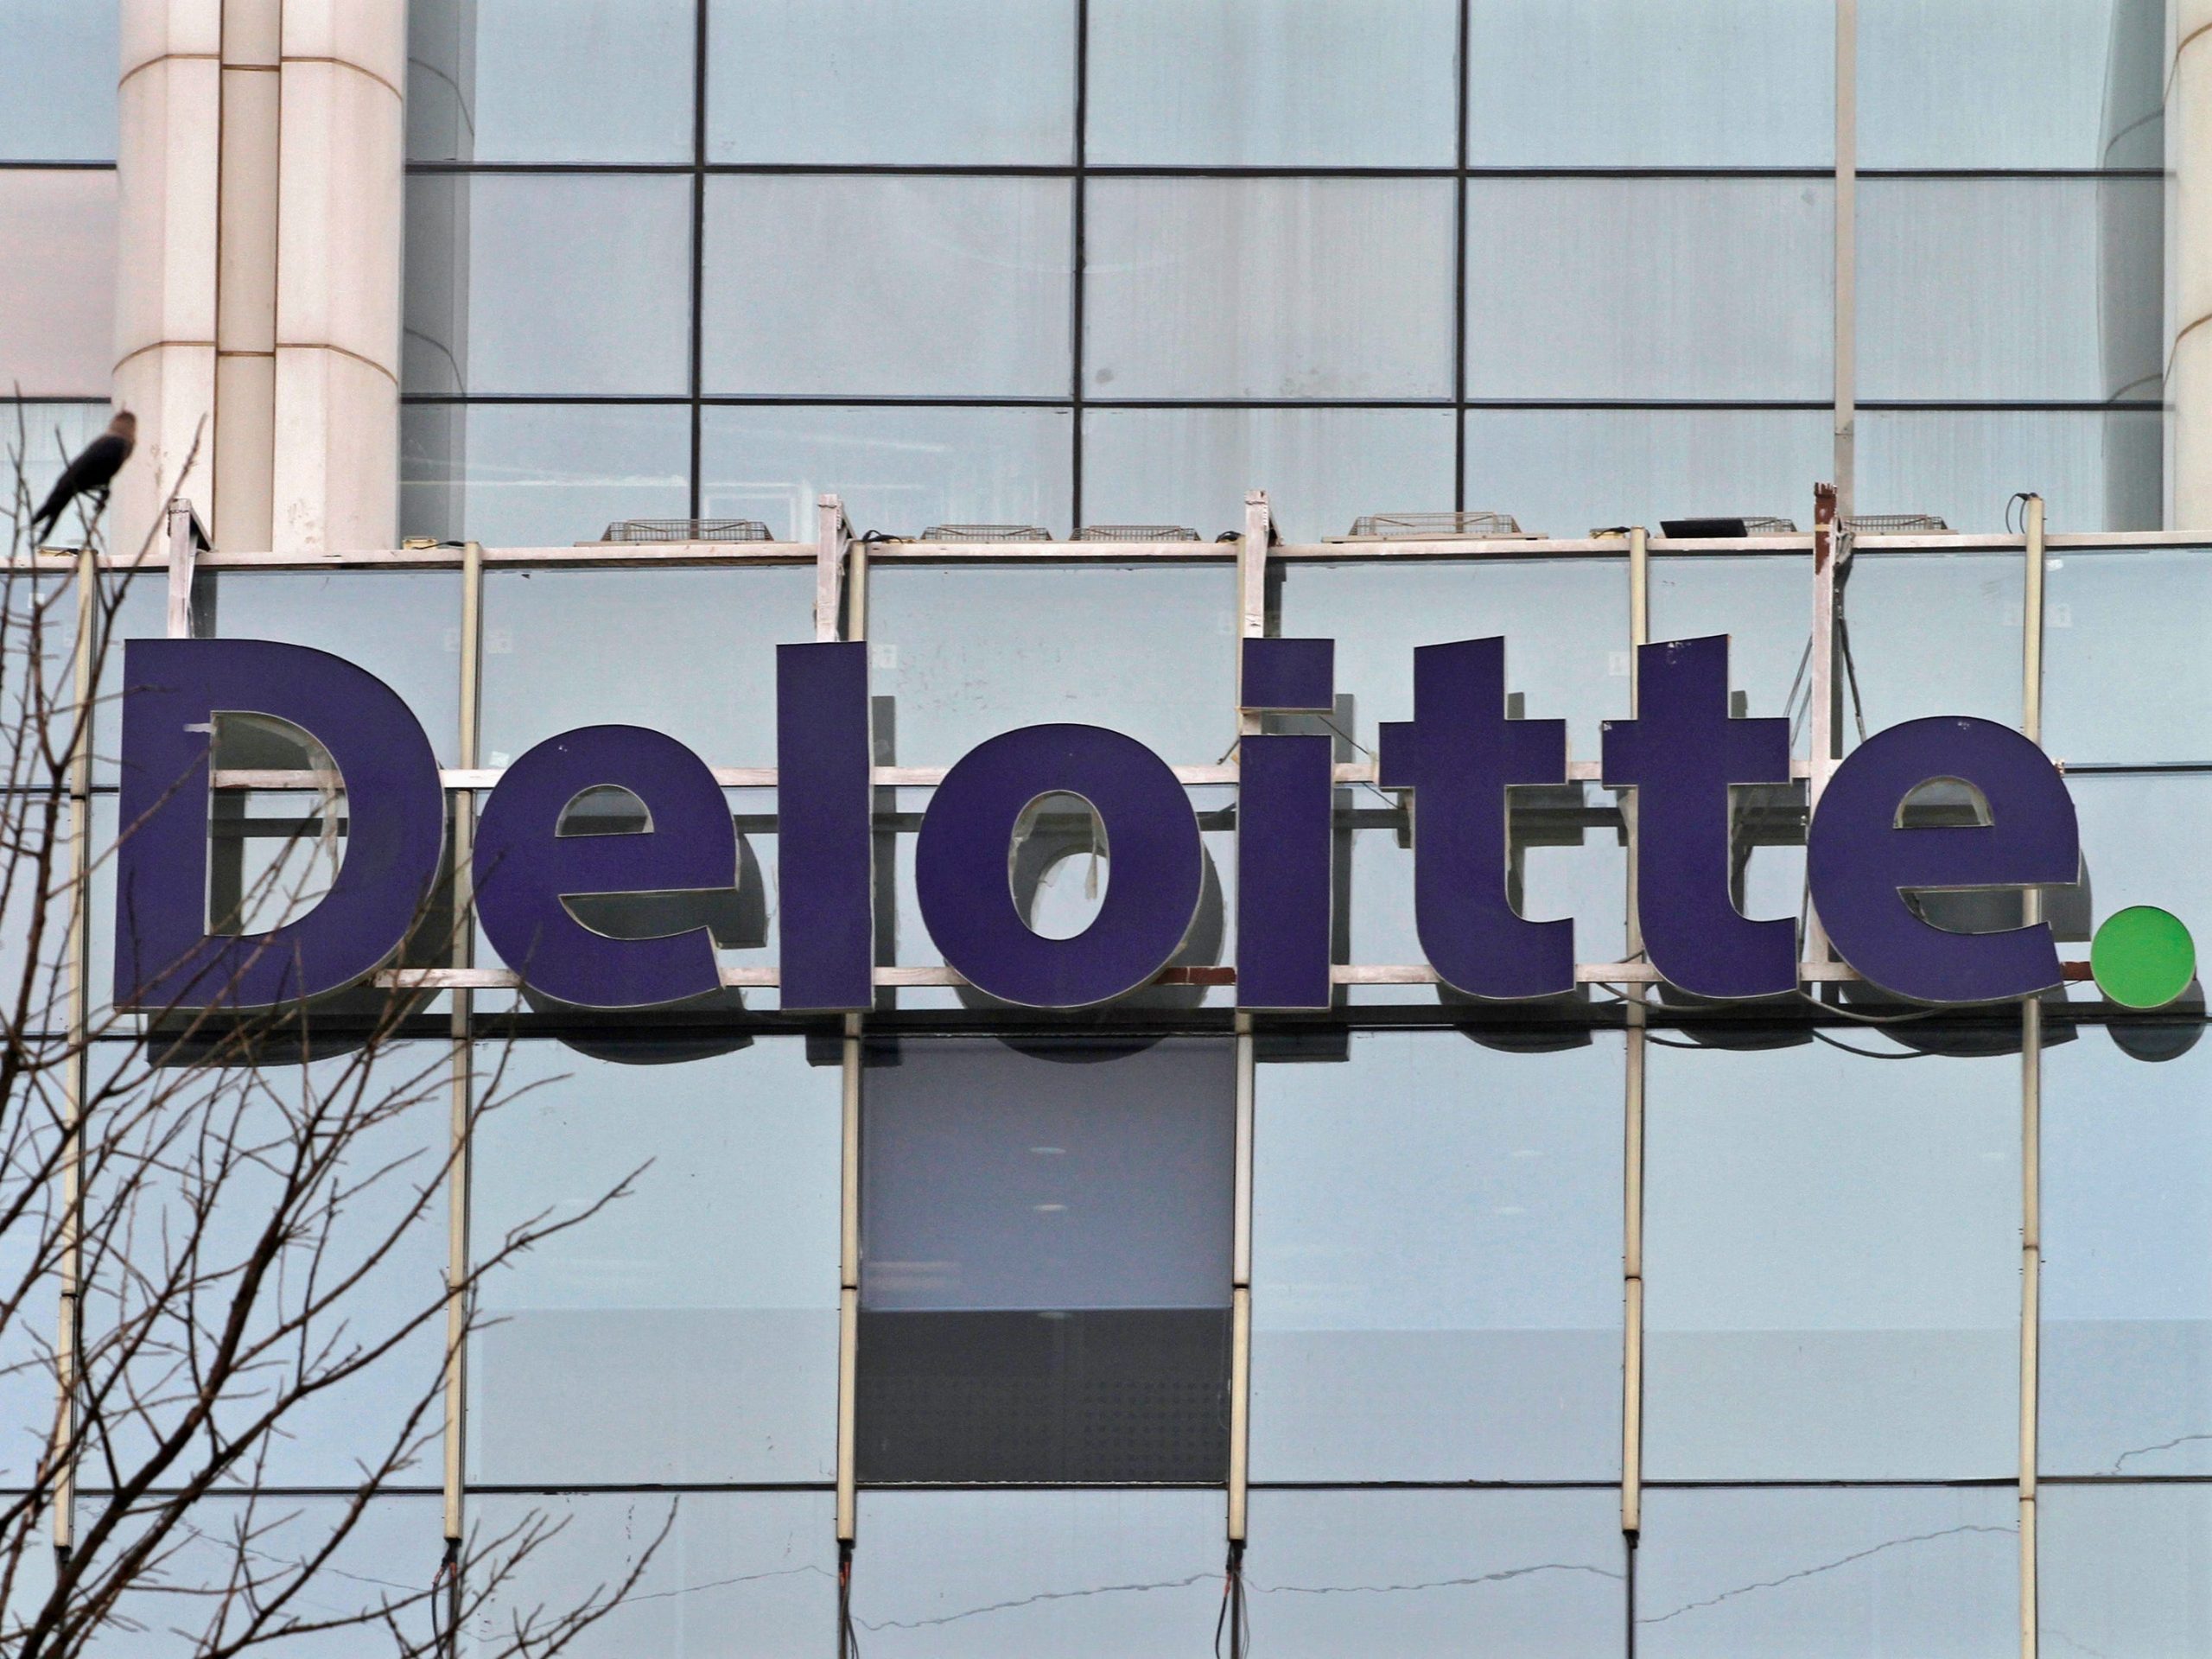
{"x":1085,"y":262}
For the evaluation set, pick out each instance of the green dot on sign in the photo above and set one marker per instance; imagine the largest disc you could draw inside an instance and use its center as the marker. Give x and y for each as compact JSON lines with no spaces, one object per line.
{"x":2143,"y":957}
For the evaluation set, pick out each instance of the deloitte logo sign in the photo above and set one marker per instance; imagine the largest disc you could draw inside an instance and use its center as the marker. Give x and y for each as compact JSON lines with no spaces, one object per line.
{"x":1457,"y":757}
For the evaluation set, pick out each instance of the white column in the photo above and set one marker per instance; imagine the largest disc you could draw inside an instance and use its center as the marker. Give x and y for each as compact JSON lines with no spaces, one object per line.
{"x":169,"y":124}
{"x":2189,"y":265}
{"x":262,"y":181}
{"x":341,"y":216}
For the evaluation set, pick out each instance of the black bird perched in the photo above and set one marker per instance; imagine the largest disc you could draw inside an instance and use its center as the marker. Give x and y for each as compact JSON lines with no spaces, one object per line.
{"x":94,"y":470}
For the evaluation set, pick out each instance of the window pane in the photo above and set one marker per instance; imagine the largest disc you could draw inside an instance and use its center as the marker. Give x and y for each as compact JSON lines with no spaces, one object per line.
{"x":1323,"y":467}
{"x":403,"y":626}
{"x":710,"y":1289}
{"x":2125,"y":677}
{"x":2094,"y":470}
{"x":1650,"y":287}
{"x":187,"y":1166}
{"x":1992,"y":288}
{"x":2127,"y":1276}
{"x":1331,"y":1575}
{"x":2120,"y":1569}
{"x":510,"y":475}
{"x":1932,"y":633}
{"x":749,"y":1573}
{"x":58,"y":59}
{"x":42,"y":438}
{"x":522,"y":283}
{"x":1762,"y":601}
{"x":1209,"y":288}
{"x":895,"y":286}
{"x":897,"y":470}
{"x":954,"y":82}
{"x":1564,"y":472}
{"x":1046,"y":1286}
{"x":1832,"y":1261}
{"x":2011,"y":83}
{"x":1155,"y":655}
{"x":1438,"y":1221}
{"x":57,"y":268}
{"x":1830,"y":1574}
{"x":552,"y":665}
{"x":1010,"y":1575}
{"x":1746,"y":83}
{"x":1565,"y":619}
{"x":1275,"y":83}
{"x":2142,"y":840}
{"x":550,"y":80}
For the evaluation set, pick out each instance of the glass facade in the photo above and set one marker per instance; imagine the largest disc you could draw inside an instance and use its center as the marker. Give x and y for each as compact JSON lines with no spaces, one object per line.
{"x":1430,"y":1289}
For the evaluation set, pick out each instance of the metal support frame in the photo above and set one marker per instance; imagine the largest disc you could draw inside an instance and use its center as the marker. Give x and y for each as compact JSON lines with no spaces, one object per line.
{"x":1251,"y":624}
{"x":841,"y":558}
{"x":458,"y":1193}
{"x":1830,"y":550}
{"x":68,"y":1348}
{"x":2032,"y":618}
{"x":1846,"y":256}
{"x":1635,"y":1039}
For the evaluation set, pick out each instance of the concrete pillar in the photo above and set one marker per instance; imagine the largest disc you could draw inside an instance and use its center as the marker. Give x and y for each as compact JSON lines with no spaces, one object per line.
{"x":262,"y":183}
{"x":169,"y":114}
{"x":2189,"y":265}
{"x":340,"y":223}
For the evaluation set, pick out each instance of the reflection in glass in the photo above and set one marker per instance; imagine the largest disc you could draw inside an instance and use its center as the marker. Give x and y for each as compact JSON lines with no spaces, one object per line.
{"x":2121,"y":1568}
{"x":1747,"y":83}
{"x":58,"y":60}
{"x":551,"y":664}
{"x":1155,"y":655}
{"x":1832,"y":1261}
{"x":1045,"y":1260}
{"x":57,"y":268}
{"x":709,"y":1288}
{"x":897,"y":470}
{"x":550,"y":80}
{"x":1206,"y":288}
{"x":511,"y":475}
{"x":1726,"y":295}
{"x":1011,"y":1575}
{"x":959,"y":81}
{"x":1830,"y":1574}
{"x":735,"y":1573}
{"x":2126,"y":677}
{"x":1564,"y":472}
{"x":1931,"y":634}
{"x":1437,"y":1220}
{"x":1336,"y":1575}
{"x":547,"y":282}
{"x":2011,"y":83}
{"x":1324,"y":467}
{"x":2094,"y":470}
{"x":1272,"y":83}
{"x":2126,"y":1386}
{"x":894,"y":286}
{"x":1992,"y":288}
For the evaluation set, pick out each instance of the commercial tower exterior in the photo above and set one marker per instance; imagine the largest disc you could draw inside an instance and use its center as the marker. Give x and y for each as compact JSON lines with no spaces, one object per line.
{"x":558,"y":363}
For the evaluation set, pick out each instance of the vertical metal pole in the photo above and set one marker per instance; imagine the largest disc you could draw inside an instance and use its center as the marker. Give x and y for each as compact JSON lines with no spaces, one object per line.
{"x":463,"y":1007}
{"x":68,"y":1345}
{"x":1821,"y":707}
{"x":1251,"y":624}
{"x":2030,"y":1116}
{"x":836,"y":545}
{"x":832,"y":536}
{"x":1639,"y":633}
{"x":1846,"y":255}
